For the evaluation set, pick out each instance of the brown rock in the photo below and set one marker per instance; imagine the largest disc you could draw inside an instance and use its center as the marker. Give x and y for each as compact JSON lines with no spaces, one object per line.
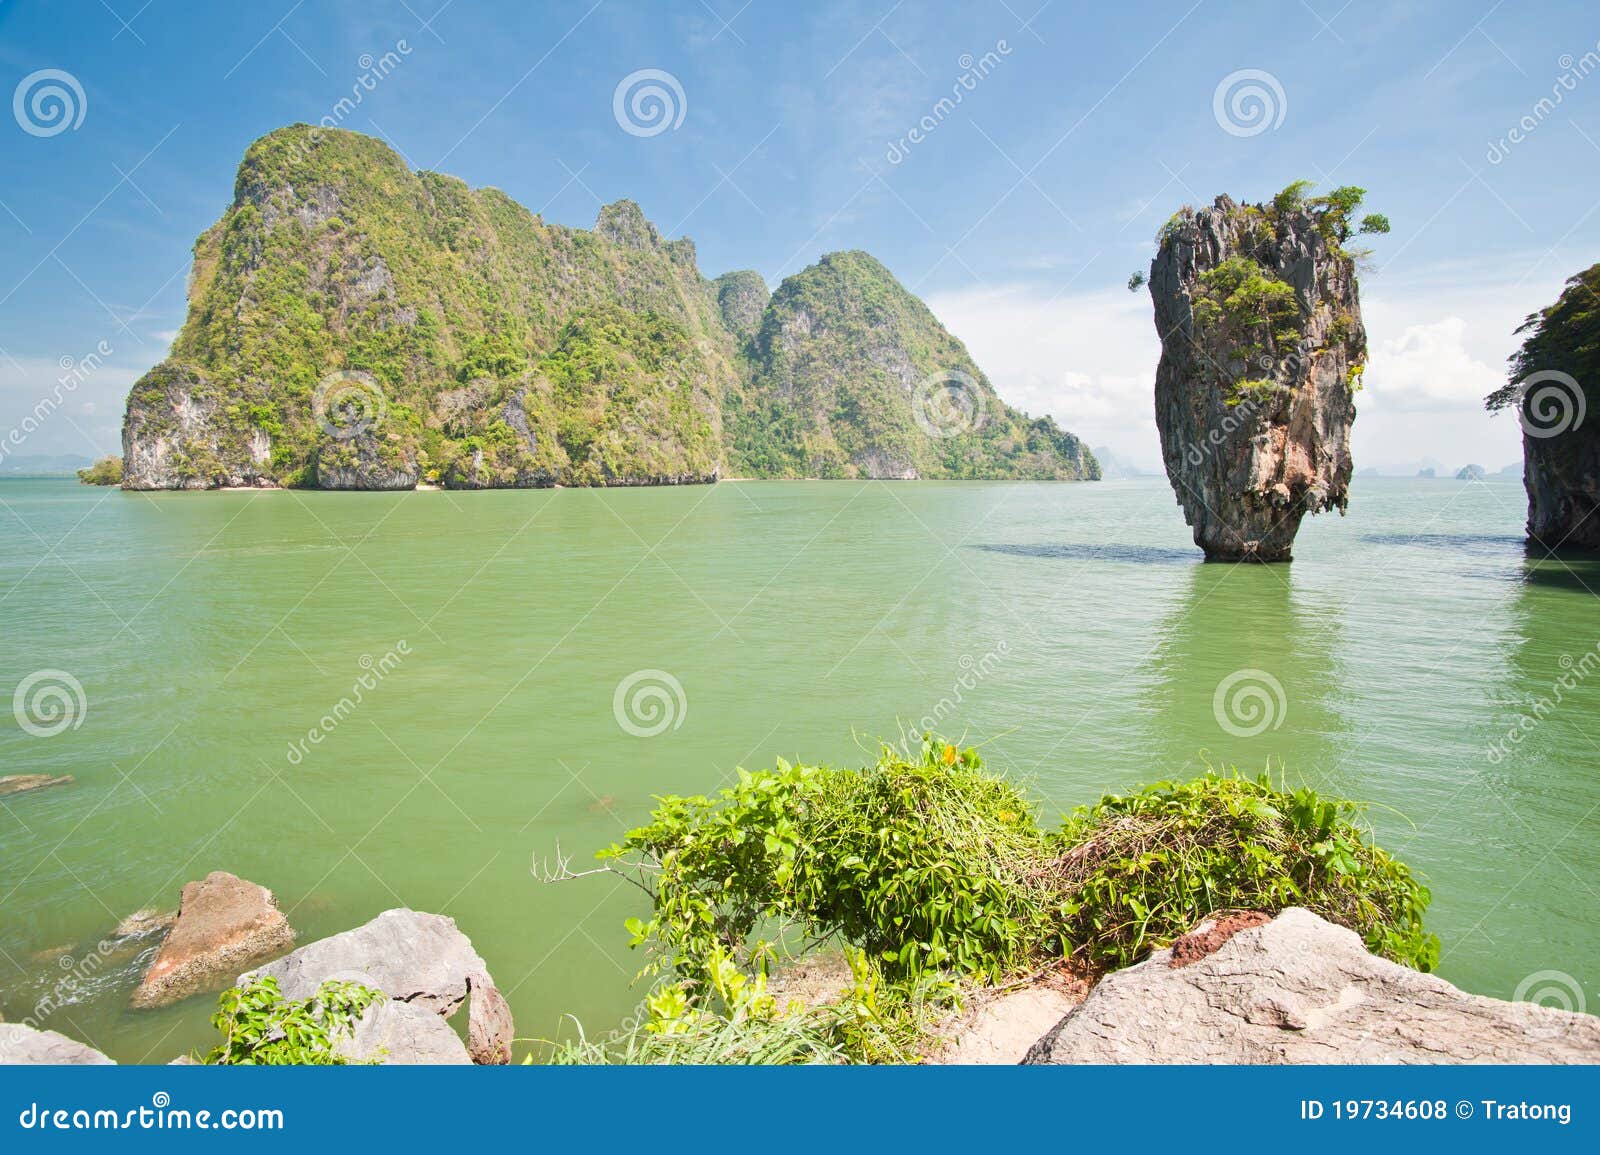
{"x":225,"y":925}
{"x":489,"y":1028}
{"x":20,"y":783}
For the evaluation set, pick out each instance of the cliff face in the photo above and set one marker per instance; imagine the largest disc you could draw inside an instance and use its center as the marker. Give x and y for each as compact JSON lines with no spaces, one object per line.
{"x":356,"y":325}
{"x":1262,"y":348}
{"x":1555,"y":389}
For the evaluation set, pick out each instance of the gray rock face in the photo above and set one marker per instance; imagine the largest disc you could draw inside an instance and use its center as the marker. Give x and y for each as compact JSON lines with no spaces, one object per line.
{"x":426,"y":966}
{"x":1302,"y":990}
{"x":224,"y":924}
{"x":24,"y":1046}
{"x":363,"y":462}
{"x":1254,"y":411}
{"x":403,"y":1034}
{"x":174,"y":436}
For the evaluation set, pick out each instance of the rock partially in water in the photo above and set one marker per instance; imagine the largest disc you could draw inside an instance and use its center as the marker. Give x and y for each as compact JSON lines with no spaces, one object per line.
{"x":144,"y":923}
{"x":1262,"y":347}
{"x":1555,"y":390}
{"x":421,"y":961}
{"x":224,"y":925}
{"x":24,"y":1046}
{"x":1301,"y":990}
{"x":22,"y":783}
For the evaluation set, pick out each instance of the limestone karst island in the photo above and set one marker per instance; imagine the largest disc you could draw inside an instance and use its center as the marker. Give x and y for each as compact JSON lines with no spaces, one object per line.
{"x":615,"y":535}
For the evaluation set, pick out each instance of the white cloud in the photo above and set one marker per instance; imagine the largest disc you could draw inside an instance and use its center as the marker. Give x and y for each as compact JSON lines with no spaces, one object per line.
{"x":1087,"y":359}
{"x":1428,"y":366}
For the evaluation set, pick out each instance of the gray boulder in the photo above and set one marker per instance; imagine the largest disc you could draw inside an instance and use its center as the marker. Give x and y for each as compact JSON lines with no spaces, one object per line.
{"x":24,"y":1046}
{"x":1302,"y":990}
{"x":426,"y":966}
{"x":403,"y":1034}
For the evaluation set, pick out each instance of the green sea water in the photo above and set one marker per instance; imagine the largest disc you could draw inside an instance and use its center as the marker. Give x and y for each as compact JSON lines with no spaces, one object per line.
{"x":1068,"y":630}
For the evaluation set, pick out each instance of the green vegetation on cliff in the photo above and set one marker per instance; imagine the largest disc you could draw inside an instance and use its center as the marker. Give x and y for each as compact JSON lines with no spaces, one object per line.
{"x":854,"y":376}
{"x":357,"y":324}
{"x":106,"y":471}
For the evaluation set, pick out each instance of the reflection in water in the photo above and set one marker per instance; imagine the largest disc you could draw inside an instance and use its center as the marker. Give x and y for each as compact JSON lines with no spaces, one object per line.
{"x":1246,"y":669}
{"x":1086,"y":551}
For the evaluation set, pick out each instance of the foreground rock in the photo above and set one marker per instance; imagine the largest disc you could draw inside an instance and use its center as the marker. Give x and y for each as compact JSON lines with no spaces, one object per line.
{"x":22,"y":783}
{"x":1302,"y":990}
{"x":24,"y":1046}
{"x":426,"y":966}
{"x":224,"y":925}
{"x":1261,"y":348}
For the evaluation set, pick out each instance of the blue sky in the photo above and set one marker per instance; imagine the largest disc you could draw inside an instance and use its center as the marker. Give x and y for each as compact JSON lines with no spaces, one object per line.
{"x":1019,"y":215}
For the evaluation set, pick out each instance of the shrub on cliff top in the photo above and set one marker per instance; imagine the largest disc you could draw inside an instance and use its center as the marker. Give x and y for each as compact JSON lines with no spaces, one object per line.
{"x":1140,"y":870}
{"x":930,"y":864}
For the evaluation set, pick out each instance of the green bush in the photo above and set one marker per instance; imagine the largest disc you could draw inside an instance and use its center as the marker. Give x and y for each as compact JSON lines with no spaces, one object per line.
{"x":1138,"y":871}
{"x":925,"y":864}
{"x":260,"y":1027}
